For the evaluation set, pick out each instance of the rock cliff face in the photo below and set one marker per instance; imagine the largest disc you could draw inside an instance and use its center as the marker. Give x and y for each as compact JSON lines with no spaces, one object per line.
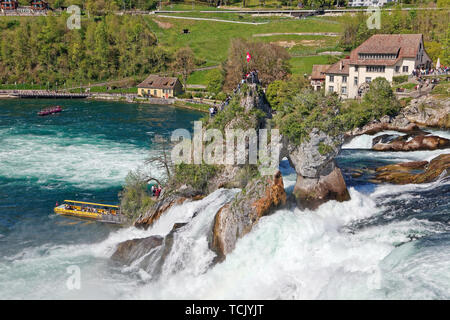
{"x":234,"y":220}
{"x":429,"y":111}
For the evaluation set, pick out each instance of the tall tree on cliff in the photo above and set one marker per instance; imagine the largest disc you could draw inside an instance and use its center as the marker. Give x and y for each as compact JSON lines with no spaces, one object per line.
{"x":184,"y":63}
{"x":270,"y":60}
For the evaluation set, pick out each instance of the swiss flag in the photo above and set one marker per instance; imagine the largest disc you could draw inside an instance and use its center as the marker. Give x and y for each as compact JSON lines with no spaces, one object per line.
{"x":248,"y":56}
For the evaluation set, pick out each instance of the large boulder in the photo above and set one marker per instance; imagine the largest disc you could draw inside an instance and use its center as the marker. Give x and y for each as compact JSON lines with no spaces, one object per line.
{"x":312,"y":192}
{"x":131,"y":250}
{"x":234,"y":220}
{"x":314,"y":157}
{"x":318,"y":178}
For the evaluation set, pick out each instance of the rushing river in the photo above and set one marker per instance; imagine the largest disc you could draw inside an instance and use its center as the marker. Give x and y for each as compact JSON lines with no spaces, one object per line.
{"x":386,"y":242}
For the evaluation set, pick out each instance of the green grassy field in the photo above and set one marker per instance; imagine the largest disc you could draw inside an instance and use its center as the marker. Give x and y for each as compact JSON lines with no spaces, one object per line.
{"x":302,"y":65}
{"x":199,"y":77}
{"x":210,"y":40}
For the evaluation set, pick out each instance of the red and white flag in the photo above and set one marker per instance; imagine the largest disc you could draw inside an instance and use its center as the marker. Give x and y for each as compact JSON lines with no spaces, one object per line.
{"x":248,"y":56}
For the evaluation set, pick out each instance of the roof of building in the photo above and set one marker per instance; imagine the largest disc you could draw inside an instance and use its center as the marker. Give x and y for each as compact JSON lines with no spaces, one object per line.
{"x":318,"y":71}
{"x":340,"y":67}
{"x":402,"y":45}
{"x":156,"y":82}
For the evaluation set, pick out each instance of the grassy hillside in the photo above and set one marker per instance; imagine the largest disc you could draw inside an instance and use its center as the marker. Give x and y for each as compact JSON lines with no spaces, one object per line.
{"x":210,"y":40}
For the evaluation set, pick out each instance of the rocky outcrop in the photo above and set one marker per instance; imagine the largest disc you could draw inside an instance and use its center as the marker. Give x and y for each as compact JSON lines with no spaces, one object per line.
{"x":428,"y":111}
{"x":409,"y":143}
{"x":399,"y":123}
{"x":234,"y":220}
{"x":312,"y":192}
{"x":404,"y":173}
{"x":318,"y":177}
{"x":148,"y":254}
{"x":254,"y":98}
{"x":166,"y":201}
{"x":131,"y":250}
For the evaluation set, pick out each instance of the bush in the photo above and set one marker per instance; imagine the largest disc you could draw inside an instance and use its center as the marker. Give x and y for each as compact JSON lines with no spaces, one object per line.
{"x":134,"y":198}
{"x":380,"y":99}
{"x":307,"y":110}
{"x":399,"y":79}
{"x":185,"y":95}
{"x":377,"y":102}
{"x":279,"y":91}
{"x":214,"y":81}
{"x":221,"y":96}
{"x":195,"y":175}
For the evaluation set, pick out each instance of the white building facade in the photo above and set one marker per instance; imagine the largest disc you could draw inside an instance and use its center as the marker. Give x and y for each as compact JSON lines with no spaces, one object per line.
{"x":381,"y":55}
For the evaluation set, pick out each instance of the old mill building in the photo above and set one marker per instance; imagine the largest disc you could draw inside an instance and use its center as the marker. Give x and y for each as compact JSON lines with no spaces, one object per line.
{"x":382,"y":55}
{"x":160,"y":87}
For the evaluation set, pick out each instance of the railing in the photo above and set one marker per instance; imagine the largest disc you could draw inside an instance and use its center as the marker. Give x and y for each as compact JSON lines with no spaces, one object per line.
{"x":109,"y":218}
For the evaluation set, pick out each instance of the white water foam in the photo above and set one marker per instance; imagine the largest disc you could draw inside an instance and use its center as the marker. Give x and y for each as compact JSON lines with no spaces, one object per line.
{"x":295,"y":254}
{"x":40,"y":272}
{"x":364,"y":141}
{"x":86,"y":162}
{"x":291,"y":254}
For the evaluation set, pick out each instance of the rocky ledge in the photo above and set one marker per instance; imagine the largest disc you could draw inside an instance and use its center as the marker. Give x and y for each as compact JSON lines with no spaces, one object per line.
{"x":409,"y":143}
{"x":415,"y":172}
{"x":428,"y":111}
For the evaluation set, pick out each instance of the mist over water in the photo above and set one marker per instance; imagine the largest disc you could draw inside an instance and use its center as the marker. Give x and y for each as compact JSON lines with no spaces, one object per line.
{"x":387,"y":242}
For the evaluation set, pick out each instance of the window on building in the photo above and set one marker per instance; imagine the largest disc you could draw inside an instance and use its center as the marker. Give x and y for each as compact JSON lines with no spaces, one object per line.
{"x":405,"y":68}
{"x":155,"y":93}
{"x":330,"y":89}
{"x":397,"y":68}
{"x":331,"y":78}
{"x":355,"y":81}
{"x":368,"y":79}
{"x":344,"y":79}
{"x":344,"y":90}
{"x":375,"y":68}
{"x":356,"y":68}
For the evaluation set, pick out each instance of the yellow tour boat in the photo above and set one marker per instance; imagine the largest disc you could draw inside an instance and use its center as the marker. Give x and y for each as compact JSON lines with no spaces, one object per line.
{"x":88,"y":210}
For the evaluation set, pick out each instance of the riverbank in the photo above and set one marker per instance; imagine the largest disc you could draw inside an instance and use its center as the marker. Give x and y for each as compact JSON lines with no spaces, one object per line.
{"x":192,"y":104}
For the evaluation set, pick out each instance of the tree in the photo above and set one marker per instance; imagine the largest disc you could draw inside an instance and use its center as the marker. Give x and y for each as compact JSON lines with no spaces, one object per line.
{"x":279,"y":91}
{"x":381,"y":99}
{"x":215,"y":81}
{"x":134,"y":198}
{"x":184,"y":63}
{"x":270,"y":60}
{"x":161,"y":161}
